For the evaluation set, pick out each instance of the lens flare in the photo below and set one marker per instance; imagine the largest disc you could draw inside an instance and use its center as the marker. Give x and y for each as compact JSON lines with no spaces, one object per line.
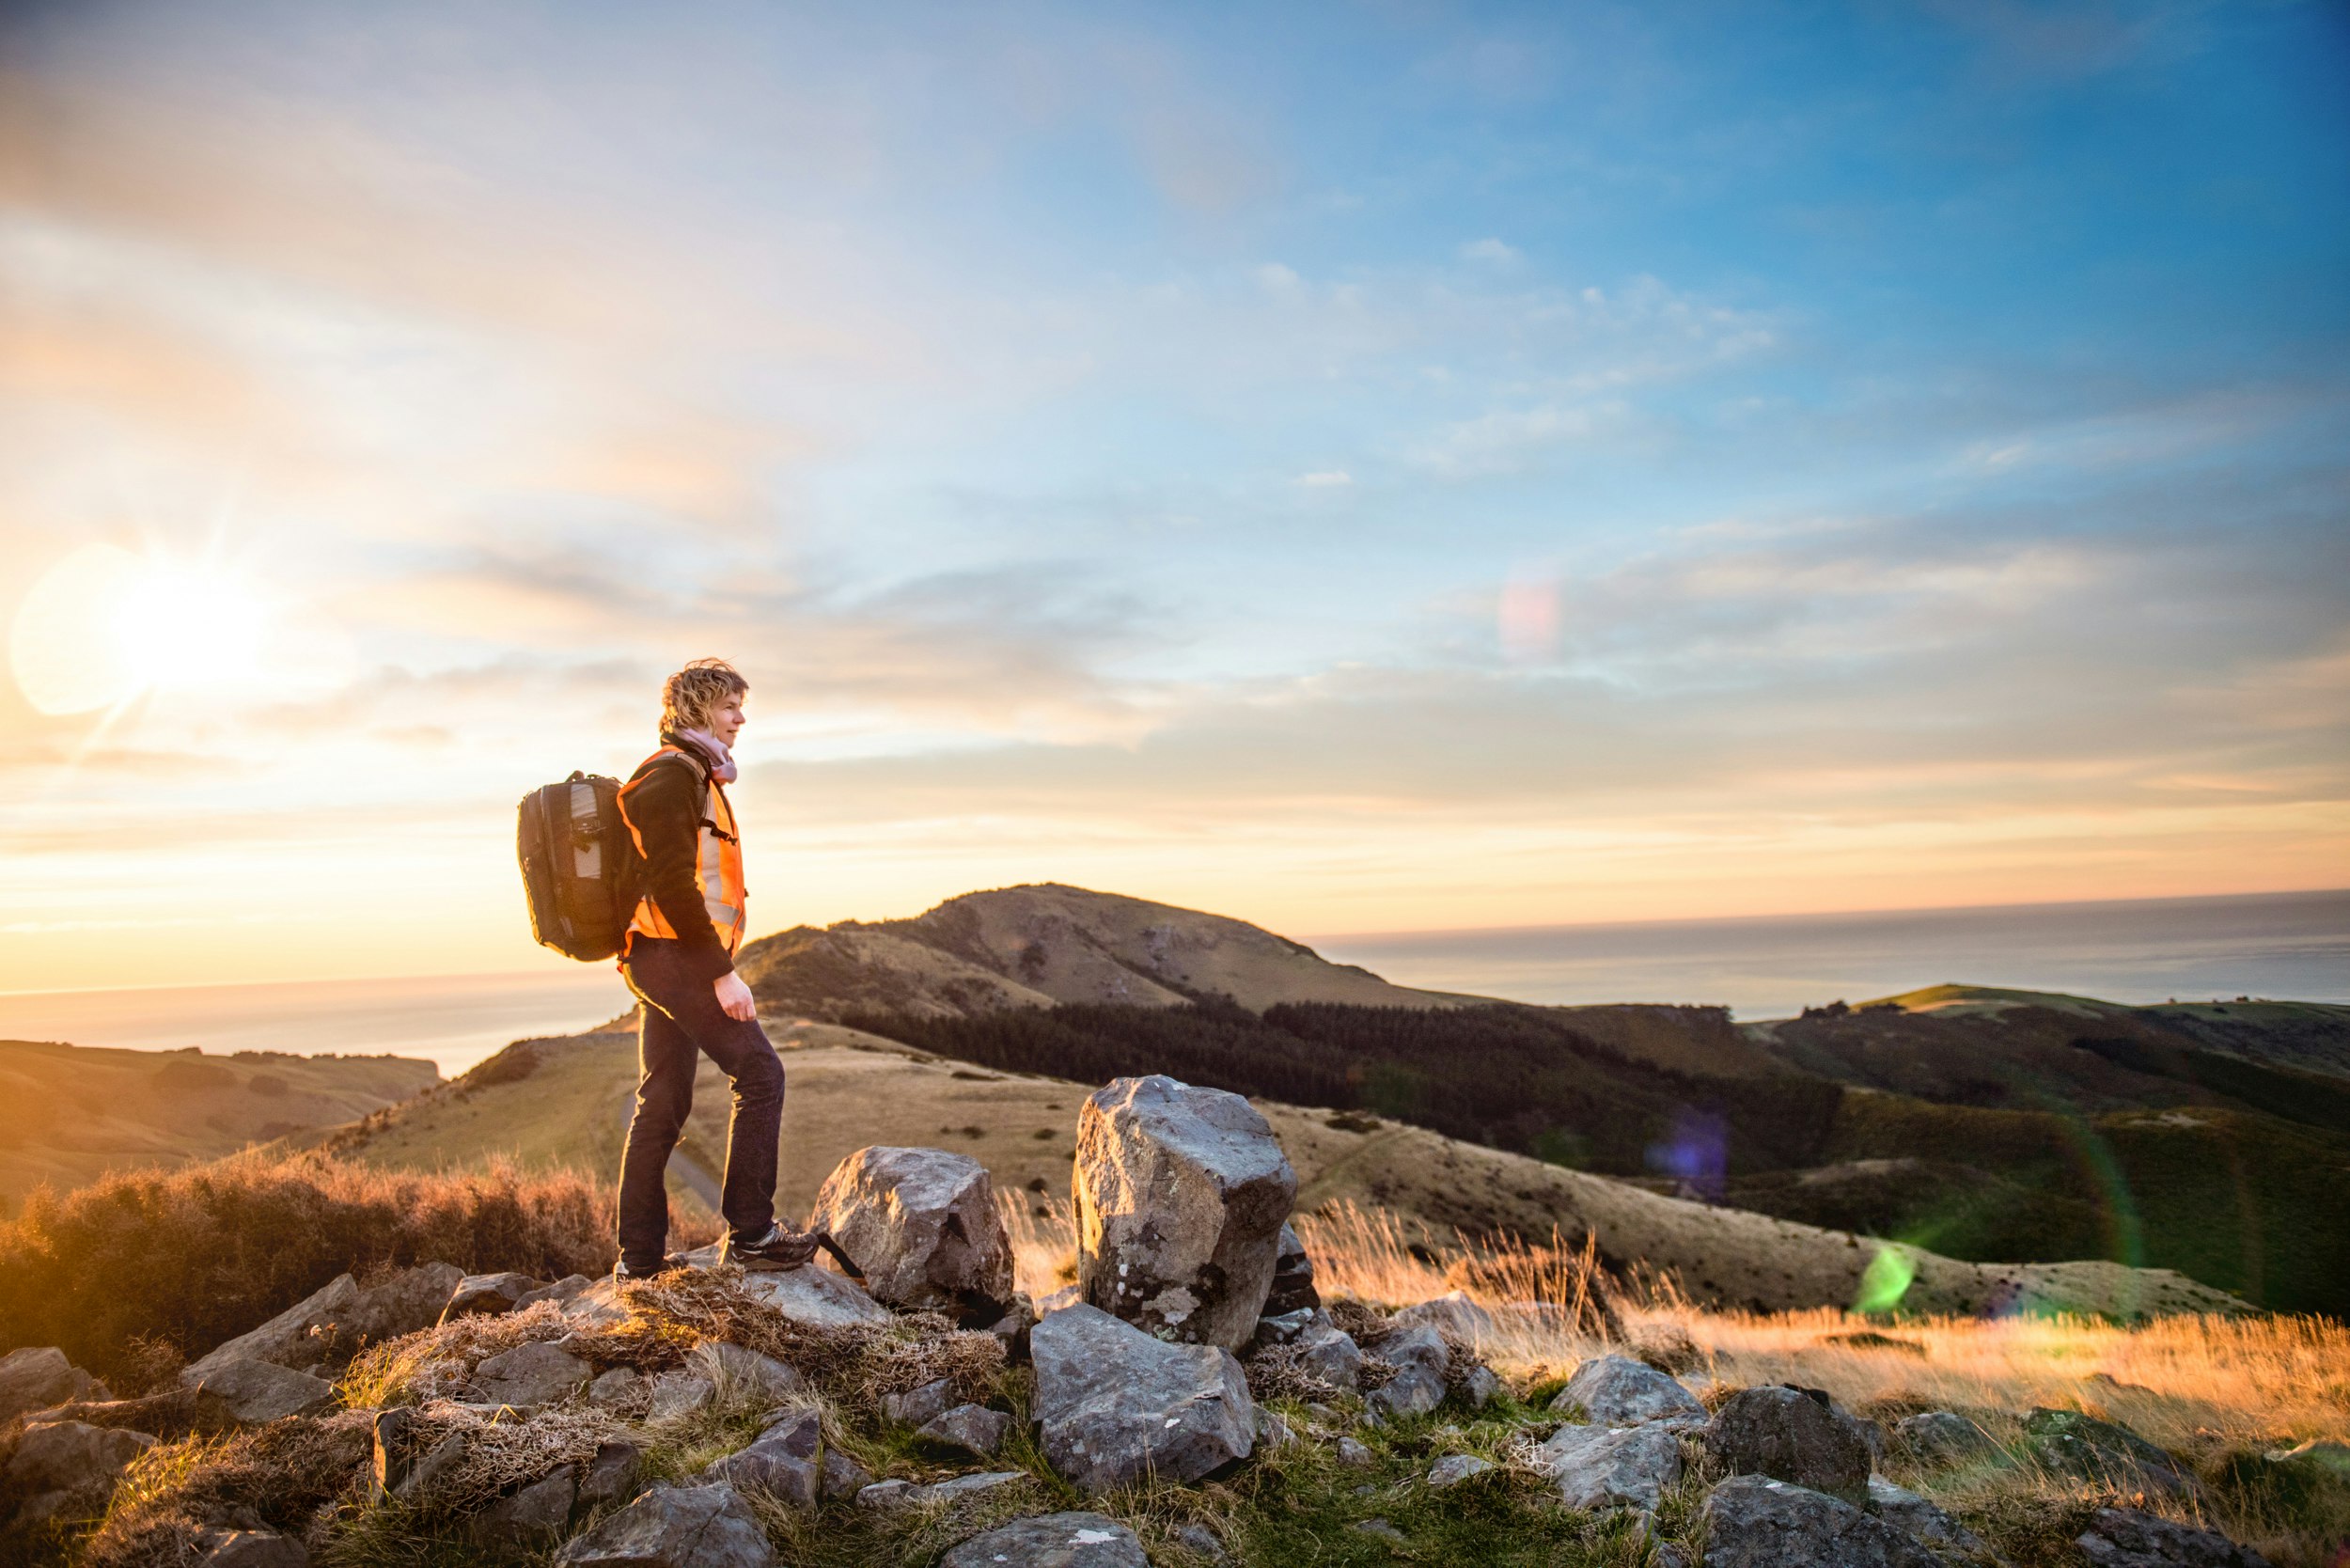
{"x":105,"y":625}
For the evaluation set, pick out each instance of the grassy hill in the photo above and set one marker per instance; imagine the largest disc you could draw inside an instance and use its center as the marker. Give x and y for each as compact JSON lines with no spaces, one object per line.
{"x":558,"y":1102}
{"x":75,"y":1112}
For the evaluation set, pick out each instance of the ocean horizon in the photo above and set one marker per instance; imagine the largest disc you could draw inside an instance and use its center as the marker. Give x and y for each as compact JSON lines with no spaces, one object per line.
{"x":2279,"y":946}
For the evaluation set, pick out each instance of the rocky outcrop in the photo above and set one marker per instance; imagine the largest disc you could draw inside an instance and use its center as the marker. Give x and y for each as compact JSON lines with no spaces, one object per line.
{"x":2126,"y":1538}
{"x":64,"y":1469}
{"x":2104,"y":1452}
{"x":529,"y":1375}
{"x":1180,"y":1196}
{"x":1941,"y":1437}
{"x":1921,"y":1521}
{"x":1051,"y":1541}
{"x":815,"y":1297}
{"x":487,"y":1295}
{"x":338,"y":1320}
{"x":258,"y":1392}
{"x":1603,"y":1467}
{"x":922,"y":1225}
{"x":1755,"y":1522}
{"x":1113,"y":1404}
{"x":38,"y":1379}
{"x":1790,"y":1435}
{"x":1615,"y":1391}
{"x":674,"y":1526}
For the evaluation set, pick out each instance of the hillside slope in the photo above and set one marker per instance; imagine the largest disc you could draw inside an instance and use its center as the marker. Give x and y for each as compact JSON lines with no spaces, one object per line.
{"x":74,"y":1112}
{"x":848,"y":1090}
{"x":1047,"y":943}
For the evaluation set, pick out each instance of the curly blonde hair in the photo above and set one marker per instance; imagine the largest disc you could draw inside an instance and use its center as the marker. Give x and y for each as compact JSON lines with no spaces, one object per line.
{"x":689,"y":697}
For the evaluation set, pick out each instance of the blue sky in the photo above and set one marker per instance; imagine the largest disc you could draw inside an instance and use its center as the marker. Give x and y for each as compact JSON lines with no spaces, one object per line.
{"x":1368,"y":467}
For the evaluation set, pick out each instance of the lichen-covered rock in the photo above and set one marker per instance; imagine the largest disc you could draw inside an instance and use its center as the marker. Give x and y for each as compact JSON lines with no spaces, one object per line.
{"x":529,"y":1375}
{"x":2104,"y":1452}
{"x":2126,"y":1538}
{"x":1787,"y":1435}
{"x":922,"y":1225}
{"x":258,"y":1392}
{"x":674,"y":1526}
{"x":1181,"y":1195}
{"x":1051,"y":1541}
{"x":1615,"y":1391}
{"x":36,"y":1379}
{"x":1602,"y":1468}
{"x":1941,"y":1437}
{"x":1113,"y":1404}
{"x":815,"y":1297}
{"x":1921,"y":1521}
{"x":1754,"y":1521}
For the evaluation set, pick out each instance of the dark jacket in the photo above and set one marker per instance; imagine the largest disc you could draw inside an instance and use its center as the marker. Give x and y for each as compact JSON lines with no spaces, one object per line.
{"x":665,"y":802}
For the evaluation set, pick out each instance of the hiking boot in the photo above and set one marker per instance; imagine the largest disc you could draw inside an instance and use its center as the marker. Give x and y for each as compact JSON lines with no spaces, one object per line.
{"x":778,"y":1249}
{"x":668,"y":1265}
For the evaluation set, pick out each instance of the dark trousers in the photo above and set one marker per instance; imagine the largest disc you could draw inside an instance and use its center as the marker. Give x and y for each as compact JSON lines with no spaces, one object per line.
{"x":681,"y":1021}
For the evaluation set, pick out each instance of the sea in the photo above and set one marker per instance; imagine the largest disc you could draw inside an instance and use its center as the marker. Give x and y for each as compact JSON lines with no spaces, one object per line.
{"x":2278,"y":946}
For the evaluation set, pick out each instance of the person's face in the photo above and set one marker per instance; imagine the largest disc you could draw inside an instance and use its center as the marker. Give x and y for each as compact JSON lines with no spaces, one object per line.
{"x":726,"y":720}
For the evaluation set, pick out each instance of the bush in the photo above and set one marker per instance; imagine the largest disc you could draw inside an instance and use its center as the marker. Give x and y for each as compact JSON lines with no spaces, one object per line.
{"x":189,"y":1258}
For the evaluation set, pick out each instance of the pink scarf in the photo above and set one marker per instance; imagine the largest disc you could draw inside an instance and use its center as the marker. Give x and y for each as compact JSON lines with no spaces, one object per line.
{"x":723,"y":768}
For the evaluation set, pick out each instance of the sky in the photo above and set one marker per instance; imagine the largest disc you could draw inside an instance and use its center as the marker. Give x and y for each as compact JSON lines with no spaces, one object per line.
{"x":1359,"y":468}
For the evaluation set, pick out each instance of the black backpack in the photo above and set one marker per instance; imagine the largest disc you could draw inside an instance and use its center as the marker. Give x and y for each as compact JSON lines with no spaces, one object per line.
{"x":581,"y":871}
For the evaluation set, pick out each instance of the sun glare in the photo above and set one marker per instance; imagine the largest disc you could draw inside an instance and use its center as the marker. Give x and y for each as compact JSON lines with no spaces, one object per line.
{"x":105,"y":625}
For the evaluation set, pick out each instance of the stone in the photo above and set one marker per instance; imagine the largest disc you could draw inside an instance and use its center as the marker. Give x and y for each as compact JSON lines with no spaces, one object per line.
{"x":286,"y":1340}
{"x":2126,"y":1538}
{"x":963,"y":1487}
{"x":919,"y":1406}
{"x":1011,"y":1329}
{"x":486,"y":1295}
{"x":562,"y":1291}
{"x":840,"y":1477}
{"x":1051,"y":1541}
{"x":529,"y":1375}
{"x":1789,"y":1435}
{"x":1331,"y":1355}
{"x":1598,"y":1467}
{"x":1941,"y":1437}
{"x":770,"y":1466}
{"x":674,"y":1526}
{"x":892,"y":1493}
{"x":1615,"y":1391}
{"x":1380,"y":1529}
{"x":744,"y":1376}
{"x":598,"y":1305}
{"x":1454,"y":1468}
{"x":611,"y":1475}
{"x":1113,"y":1404}
{"x":972,"y":1429}
{"x":74,"y":1458}
{"x":249,"y":1549}
{"x":1480,"y":1386}
{"x":815,"y":1297}
{"x":397,"y":1471}
{"x":533,"y":1514}
{"x":2089,"y":1450}
{"x":1754,"y":1521}
{"x":798,"y":1432}
{"x":1921,"y":1521}
{"x":621,"y":1385}
{"x":398,"y":1303}
{"x":1201,"y":1542}
{"x":258,"y":1392}
{"x":1453,"y":1312}
{"x":679,"y":1393}
{"x":1292,"y":1289}
{"x":1181,"y":1195}
{"x":1053,"y":1301}
{"x":1354,"y":1453}
{"x":1273,"y":1433}
{"x":1413,"y":1392}
{"x":1423,"y":1361}
{"x":922,"y":1224}
{"x":35,"y":1379}
{"x":1283,"y":1328}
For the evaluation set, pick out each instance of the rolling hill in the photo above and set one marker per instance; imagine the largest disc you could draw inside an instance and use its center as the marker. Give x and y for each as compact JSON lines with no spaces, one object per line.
{"x":75,"y":1112}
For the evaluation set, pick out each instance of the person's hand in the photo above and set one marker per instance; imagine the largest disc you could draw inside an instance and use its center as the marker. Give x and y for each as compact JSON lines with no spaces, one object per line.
{"x":736,"y":997}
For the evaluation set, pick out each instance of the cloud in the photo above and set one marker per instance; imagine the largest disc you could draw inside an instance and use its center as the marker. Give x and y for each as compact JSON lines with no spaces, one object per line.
{"x":1491,"y":250}
{"x":1327,"y":478}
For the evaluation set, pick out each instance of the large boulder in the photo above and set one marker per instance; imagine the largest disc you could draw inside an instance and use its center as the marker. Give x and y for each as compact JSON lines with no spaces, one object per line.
{"x":1615,"y":1391}
{"x":674,"y":1526}
{"x":2126,"y":1538}
{"x":1756,"y":1522}
{"x":37,"y":1379}
{"x":1051,"y":1541}
{"x":1180,"y":1194}
{"x":1114,"y":1404}
{"x":2104,"y":1453}
{"x":70,"y":1466}
{"x":815,"y":1297}
{"x":1602,"y":1468}
{"x":258,"y":1392}
{"x":922,"y":1225}
{"x":1790,"y":1435}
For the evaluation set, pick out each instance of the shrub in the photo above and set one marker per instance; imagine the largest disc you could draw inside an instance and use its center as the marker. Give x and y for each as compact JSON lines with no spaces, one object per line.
{"x":192,"y":1257}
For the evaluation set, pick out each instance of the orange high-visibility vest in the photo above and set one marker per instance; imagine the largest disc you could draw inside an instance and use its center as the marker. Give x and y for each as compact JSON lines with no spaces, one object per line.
{"x":719,"y":868}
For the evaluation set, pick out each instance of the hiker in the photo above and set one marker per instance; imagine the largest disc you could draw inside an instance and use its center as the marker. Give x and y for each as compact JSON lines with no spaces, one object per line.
{"x":679,"y":958}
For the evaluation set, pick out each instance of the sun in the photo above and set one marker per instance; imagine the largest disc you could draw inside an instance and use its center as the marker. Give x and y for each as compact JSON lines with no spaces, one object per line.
{"x":105,"y":625}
